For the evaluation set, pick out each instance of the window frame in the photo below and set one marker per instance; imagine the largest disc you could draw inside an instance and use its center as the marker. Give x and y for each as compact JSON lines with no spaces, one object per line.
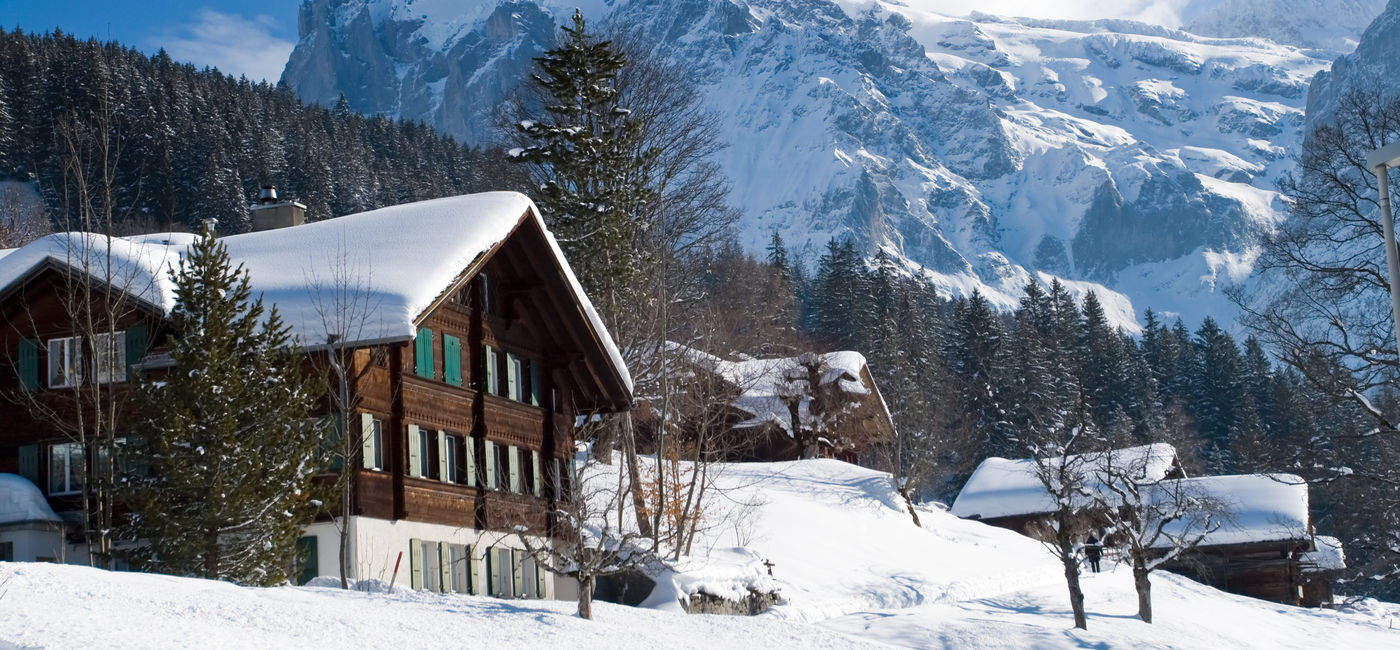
{"x":116,"y":344}
{"x":63,"y":355}
{"x":69,"y":478}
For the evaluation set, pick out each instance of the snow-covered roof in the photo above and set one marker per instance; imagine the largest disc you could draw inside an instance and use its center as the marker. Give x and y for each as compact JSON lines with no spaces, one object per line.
{"x":1326,"y":555}
{"x":405,"y":255}
{"x":761,"y":382}
{"x":1000,"y":487}
{"x":21,"y":502}
{"x":1258,"y":507}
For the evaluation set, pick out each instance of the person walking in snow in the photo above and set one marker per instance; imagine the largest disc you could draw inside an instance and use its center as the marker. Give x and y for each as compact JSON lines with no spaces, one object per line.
{"x":1093,"y":552}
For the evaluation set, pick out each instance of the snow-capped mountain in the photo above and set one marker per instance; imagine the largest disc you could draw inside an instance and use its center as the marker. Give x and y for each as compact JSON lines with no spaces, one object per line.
{"x":980,"y":151}
{"x":1329,"y":25}
{"x":1372,"y":68}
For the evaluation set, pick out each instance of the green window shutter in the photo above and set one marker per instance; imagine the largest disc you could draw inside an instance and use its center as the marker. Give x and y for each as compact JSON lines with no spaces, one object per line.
{"x":137,"y":463}
{"x":535,"y":384}
{"x":444,"y":457}
{"x":415,"y":452}
{"x":415,"y":563}
{"x":445,"y":567}
{"x":490,"y":465}
{"x":29,"y":463}
{"x":423,"y":356}
{"x":306,"y":552}
{"x":367,"y":449}
{"x":469,"y":450}
{"x":513,"y":458}
{"x":28,"y":365}
{"x":535,"y":472}
{"x":452,"y":360}
{"x":136,"y":341}
{"x":512,"y":377}
{"x":493,"y":582}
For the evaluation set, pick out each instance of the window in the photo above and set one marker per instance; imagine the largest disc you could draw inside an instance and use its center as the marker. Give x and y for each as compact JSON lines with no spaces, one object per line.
{"x":459,"y":559}
{"x":65,"y":468}
{"x":513,"y":457}
{"x":7,"y":551}
{"x":450,"y":458}
{"x":503,"y":466}
{"x":109,"y":357}
{"x":515,"y":383}
{"x":65,"y":362}
{"x":372,"y":442}
{"x":431,"y":567}
{"x":427,"y":454}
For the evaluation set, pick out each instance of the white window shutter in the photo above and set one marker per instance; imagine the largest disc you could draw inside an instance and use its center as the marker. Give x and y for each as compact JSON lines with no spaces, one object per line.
{"x":512,"y":377}
{"x":445,"y":567}
{"x":444,"y":456}
{"x":367,"y":441}
{"x":513,"y":456}
{"x":415,"y":452}
{"x":517,"y":573}
{"x":469,"y":450}
{"x":415,"y":563}
{"x":535,"y":472}
{"x":491,"y":465}
{"x":478,"y":569}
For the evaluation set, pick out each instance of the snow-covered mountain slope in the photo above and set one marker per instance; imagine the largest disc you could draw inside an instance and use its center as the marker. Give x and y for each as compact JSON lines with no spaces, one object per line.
{"x":1372,"y":68}
{"x":1328,"y":25}
{"x":981,"y":152}
{"x":854,"y":572}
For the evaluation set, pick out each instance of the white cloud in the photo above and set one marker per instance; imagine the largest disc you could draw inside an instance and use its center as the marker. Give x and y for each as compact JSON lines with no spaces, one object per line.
{"x":234,"y":44}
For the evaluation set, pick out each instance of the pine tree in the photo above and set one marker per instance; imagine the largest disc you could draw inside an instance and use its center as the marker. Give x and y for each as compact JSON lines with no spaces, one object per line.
{"x":225,"y":438}
{"x":587,"y":156}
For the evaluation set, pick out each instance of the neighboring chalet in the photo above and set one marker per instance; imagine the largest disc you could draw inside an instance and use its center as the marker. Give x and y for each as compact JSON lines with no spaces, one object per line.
{"x":844,"y":415}
{"x":1009,"y":494}
{"x":1264,"y":545}
{"x":475,"y":357}
{"x":1259,"y":544}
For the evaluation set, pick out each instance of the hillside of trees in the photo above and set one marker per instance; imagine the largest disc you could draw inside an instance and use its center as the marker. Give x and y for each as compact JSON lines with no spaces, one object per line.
{"x":184,"y":144}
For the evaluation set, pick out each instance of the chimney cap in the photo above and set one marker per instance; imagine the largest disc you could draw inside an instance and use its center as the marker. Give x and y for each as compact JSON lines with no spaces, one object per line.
{"x":267,"y":195}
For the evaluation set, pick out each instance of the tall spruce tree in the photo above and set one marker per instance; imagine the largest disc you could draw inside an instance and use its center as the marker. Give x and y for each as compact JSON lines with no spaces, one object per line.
{"x":226,"y":443}
{"x":587,"y":158}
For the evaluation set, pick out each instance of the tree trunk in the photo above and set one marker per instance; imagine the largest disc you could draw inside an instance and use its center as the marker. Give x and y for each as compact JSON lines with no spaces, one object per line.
{"x":1076,"y":594}
{"x":585,"y":596}
{"x":634,"y":477}
{"x":1143,"y":585}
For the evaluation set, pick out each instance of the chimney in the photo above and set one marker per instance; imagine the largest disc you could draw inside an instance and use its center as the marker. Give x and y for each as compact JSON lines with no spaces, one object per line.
{"x":269,"y":213}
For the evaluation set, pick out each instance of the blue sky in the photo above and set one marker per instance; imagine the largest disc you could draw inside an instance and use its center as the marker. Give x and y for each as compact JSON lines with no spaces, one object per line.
{"x":245,"y":37}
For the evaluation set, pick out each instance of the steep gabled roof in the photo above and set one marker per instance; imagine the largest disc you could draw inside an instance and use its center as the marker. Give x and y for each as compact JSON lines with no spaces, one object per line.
{"x":407,"y":257}
{"x":1257,"y":507}
{"x":1008,"y":488}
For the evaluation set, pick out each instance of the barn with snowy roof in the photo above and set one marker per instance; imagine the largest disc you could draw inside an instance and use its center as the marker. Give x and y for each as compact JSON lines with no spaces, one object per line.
{"x":476,"y":355}
{"x":1257,"y":541}
{"x":831,"y":398}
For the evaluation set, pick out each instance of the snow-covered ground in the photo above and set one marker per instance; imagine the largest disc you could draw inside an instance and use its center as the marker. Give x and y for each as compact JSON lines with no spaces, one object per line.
{"x":853,"y":569}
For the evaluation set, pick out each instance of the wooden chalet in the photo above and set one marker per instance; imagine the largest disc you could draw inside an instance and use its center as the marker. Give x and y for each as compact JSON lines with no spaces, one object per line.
{"x":477,"y":355}
{"x":1260,"y":541}
{"x":744,"y":403}
{"x":1259,"y":545}
{"x":1008,"y":493}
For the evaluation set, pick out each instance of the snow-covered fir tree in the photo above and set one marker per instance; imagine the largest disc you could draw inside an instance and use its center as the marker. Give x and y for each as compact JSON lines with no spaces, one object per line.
{"x":224,"y":446}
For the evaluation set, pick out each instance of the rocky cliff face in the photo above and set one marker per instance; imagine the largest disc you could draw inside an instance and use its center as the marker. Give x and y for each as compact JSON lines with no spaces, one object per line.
{"x":1373,"y":68}
{"x":982,"y":152}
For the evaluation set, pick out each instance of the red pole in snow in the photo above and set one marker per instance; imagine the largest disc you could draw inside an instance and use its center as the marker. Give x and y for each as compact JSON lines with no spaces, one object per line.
{"x":396,"y":572}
